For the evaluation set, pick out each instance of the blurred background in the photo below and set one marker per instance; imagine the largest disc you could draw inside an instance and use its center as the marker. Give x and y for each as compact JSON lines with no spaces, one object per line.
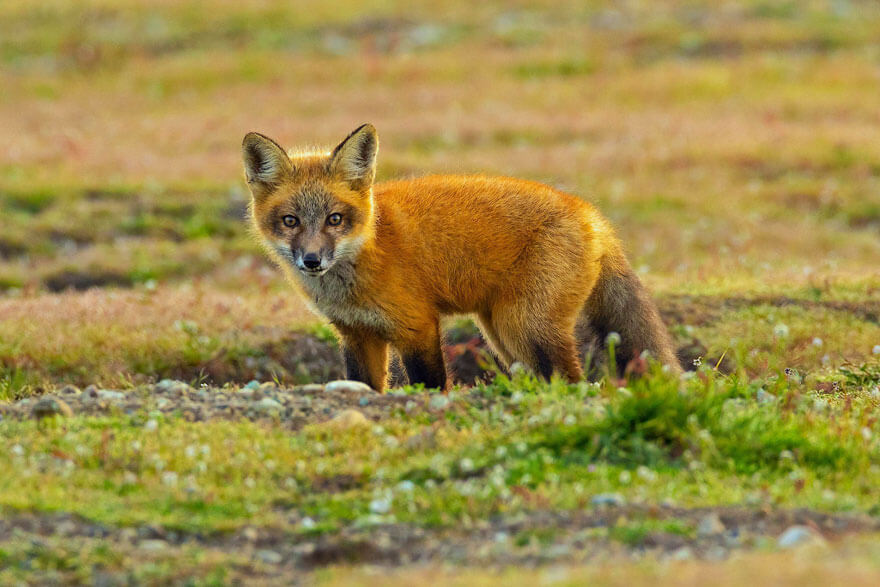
{"x":736,"y":146}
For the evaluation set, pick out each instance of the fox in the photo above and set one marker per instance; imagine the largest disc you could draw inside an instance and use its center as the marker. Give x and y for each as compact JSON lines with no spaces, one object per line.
{"x":541,"y":270}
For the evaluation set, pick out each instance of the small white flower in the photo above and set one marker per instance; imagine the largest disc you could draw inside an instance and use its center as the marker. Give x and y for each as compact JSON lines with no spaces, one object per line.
{"x":307,"y":523}
{"x":818,"y":342}
{"x":698,"y":361}
{"x":866,"y":433}
{"x":250,"y":483}
{"x":625,"y":477}
{"x":612,"y":338}
{"x":780,"y":330}
{"x":569,"y":420}
{"x":501,"y":451}
{"x":17,"y":450}
{"x":169,"y":478}
{"x":876,"y":349}
{"x":406,"y":485}
{"x":190,"y":452}
{"x":151,"y":425}
{"x":466,"y":465}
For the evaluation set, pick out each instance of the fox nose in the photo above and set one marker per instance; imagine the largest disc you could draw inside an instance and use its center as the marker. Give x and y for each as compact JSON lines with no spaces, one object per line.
{"x":311,"y":261}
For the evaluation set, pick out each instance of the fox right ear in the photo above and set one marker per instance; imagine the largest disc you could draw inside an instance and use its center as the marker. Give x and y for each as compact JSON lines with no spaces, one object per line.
{"x":265,"y":163}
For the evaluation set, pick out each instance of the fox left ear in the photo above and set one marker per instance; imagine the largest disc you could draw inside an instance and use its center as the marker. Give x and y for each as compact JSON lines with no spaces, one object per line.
{"x":354,"y":159}
{"x":265,"y":163}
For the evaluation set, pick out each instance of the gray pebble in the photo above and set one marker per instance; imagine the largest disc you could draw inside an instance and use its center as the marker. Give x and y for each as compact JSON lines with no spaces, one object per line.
{"x":51,"y":406}
{"x":710,"y":525}
{"x":347,"y":386}
{"x":268,"y":556}
{"x":608,"y":499}
{"x":795,"y":536}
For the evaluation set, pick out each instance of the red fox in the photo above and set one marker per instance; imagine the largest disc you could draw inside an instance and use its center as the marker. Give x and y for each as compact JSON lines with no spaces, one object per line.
{"x":539,"y":268}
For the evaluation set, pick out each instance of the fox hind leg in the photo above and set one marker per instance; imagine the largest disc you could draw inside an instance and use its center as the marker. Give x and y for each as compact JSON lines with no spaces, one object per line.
{"x":541,"y":343}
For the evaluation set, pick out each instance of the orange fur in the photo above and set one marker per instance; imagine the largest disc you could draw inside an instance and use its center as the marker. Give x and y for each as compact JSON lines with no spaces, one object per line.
{"x":521,"y":256}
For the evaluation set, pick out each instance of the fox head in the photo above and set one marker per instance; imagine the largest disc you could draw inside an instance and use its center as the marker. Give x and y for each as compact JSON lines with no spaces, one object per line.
{"x":312,"y":209}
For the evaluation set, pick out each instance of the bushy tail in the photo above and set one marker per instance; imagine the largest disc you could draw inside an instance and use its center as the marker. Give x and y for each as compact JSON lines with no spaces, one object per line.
{"x":620,"y":303}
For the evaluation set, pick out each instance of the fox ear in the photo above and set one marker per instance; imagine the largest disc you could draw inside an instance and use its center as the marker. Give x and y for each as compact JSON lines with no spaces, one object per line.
{"x":354,"y":159}
{"x":265,"y":163}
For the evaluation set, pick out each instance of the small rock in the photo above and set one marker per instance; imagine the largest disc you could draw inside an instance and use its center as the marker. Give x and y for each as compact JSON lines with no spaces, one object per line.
{"x":765,"y":398}
{"x":109,"y":394}
{"x":347,"y":386}
{"x":685,"y":553}
{"x":152,"y":545}
{"x":310,"y":388}
{"x":91,"y":391}
{"x":269,"y":557}
{"x":710,"y":525}
{"x":51,"y":406}
{"x":796,"y":536}
{"x":439,"y":402}
{"x":70,"y":390}
{"x":380,"y":506}
{"x":252,"y":384}
{"x":364,"y":401}
{"x":173,"y":387}
{"x":608,"y":499}
{"x":268,"y":387}
{"x":250,"y":534}
{"x":349,"y":419}
{"x":267,"y":405}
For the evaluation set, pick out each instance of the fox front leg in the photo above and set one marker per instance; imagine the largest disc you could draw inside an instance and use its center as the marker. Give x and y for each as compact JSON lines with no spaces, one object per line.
{"x":366,"y":359}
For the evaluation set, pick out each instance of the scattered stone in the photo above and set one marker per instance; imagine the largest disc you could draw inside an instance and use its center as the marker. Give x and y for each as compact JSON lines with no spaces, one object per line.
{"x":765,"y":398}
{"x":69,"y":390}
{"x":349,"y":419}
{"x":252,"y":384}
{"x":797,"y":536}
{"x":109,"y":394}
{"x":268,"y":387}
{"x":608,"y":499}
{"x":267,"y":405}
{"x":364,"y":401}
{"x":91,"y":391}
{"x":310,"y":388}
{"x":173,"y":387}
{"x":380,"y":506}
{"x":270,"y":557}
{"x":51,"y":406}
{"x":710,"y":525}
{"x":347,"y":386}
{"x":153,"y":545}
{"x":250,"y":534}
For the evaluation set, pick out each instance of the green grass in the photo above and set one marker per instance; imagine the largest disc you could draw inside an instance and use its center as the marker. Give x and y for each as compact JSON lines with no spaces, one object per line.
{"x":706,"y":442}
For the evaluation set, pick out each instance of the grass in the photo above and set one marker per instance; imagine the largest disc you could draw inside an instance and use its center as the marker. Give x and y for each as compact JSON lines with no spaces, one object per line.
{"x":707,"y":442}
{"x":734,"y":148}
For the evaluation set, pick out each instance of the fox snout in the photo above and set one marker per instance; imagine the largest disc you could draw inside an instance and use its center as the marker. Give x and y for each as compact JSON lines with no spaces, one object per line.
{"x":313,"y":262}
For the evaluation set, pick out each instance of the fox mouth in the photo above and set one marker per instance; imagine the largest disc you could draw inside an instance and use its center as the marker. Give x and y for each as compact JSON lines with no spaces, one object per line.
{"x":313,"y":272}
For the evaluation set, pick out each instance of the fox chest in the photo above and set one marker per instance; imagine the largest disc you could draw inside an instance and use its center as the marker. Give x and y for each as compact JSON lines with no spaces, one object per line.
{"x":337,"y":302}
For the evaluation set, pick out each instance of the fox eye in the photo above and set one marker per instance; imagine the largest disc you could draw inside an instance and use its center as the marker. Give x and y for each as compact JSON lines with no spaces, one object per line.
{"x":289,"y":220}
{"x":334,"y":219}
